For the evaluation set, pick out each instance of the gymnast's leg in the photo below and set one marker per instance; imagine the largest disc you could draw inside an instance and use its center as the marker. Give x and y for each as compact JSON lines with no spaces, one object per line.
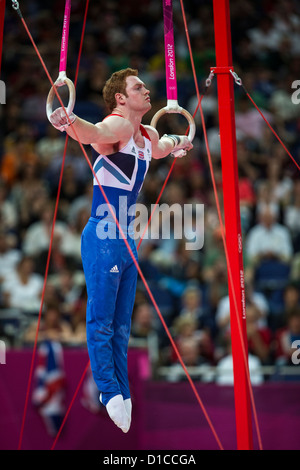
{"x":98,"y":256}
{"x":122,"y":324}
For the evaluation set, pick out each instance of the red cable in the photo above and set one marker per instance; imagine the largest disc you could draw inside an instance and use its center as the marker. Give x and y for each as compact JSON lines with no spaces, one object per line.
{"x":222,"y":228}
{"x":48,"y":257}
{"x":70,"y":406}
{"x":125,"y":240}
{"x":283,"y":145}
{"x":42,"y":301}
{"x":269,"y":125}
{"x":231,"y":282}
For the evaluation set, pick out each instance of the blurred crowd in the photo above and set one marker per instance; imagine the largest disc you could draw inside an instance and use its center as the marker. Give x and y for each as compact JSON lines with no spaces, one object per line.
{"x":189,"y":286}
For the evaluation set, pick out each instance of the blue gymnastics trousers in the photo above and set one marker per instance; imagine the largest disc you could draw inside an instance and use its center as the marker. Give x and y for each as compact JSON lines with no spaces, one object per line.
{"x":111,"y":278}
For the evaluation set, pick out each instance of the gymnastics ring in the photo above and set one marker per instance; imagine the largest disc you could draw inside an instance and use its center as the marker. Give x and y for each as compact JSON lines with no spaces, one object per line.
{"x":61,"y":81}
{"x":174,"y":108}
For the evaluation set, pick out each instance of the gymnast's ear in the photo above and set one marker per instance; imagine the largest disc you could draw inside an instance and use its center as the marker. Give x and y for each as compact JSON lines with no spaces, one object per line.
{"x":120,"y":98}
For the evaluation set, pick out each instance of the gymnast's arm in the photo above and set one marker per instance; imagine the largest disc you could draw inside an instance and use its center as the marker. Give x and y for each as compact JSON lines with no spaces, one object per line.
{"x":162,"y":147}
{"x":113,"y":129}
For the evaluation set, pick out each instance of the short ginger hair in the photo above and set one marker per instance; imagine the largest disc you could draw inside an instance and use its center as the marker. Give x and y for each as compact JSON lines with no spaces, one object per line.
{"x":116,"y":84}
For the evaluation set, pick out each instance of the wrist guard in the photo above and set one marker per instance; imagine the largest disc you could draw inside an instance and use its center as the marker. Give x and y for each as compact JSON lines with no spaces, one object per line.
{"x":174,"y":138}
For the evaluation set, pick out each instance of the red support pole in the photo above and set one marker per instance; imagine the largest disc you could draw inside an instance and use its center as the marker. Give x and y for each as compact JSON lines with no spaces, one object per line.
{"x":232,"y":222}
{"x":2,"y":14}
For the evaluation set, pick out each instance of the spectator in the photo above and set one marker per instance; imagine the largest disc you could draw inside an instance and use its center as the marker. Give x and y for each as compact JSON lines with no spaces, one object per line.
{"x":266,"y":199}
{"x":214,"y":267}
{"x":8,"y":213}
{"x":188,"y":349}
{"x":268,"y":240}
{"x":9,"y":257}
{"x":70,"y":190}
{"x":22,"y":288}
{"x":143,"y":321}
{"x":52,"y":327}
{"x":65,"y":244}
{"x":186,"y":326}
{"x":185,"y":268}
{"x":37,"y":236}
{"x":265,"y":38}
{"x":259,"y":337}
{"x":78,"y":319}
{"x":224,"y":369}
{"x":252,"y":299}
{"x":49,"y":146}
{"x":68,"y":289}
{"x":71,"y":243}
{"x":291,"y":302}
{"x":58,"y":260}
{"x":193,"y":307}
{"x":279,"y":181}
{"x":247,"y":120}
{"x":291,"y":213}
{"x":29,"y":195}
{"x":80,"y":203}
{"x":78,"y":169}
{"x":18,"y":151}
{"x":295,"y":269}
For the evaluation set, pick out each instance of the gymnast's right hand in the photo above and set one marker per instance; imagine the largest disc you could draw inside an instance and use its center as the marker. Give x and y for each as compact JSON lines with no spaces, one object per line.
{"x":59,"y":119}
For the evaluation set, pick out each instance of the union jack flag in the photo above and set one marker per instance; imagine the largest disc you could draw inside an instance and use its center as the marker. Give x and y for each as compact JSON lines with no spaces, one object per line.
{"x":50,"y":384}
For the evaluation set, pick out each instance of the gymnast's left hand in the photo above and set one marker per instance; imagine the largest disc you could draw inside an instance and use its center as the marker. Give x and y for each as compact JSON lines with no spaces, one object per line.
{"x":59,"y":119}
{"x":182,"y":144}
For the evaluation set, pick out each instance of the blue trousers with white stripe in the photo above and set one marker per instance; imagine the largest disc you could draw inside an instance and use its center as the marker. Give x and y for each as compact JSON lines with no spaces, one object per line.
{"x":111,"y":278}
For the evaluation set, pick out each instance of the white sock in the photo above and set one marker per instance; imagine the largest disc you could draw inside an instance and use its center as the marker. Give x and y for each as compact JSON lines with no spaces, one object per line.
{"x":128,"y":407}
{"x":117,"y":412}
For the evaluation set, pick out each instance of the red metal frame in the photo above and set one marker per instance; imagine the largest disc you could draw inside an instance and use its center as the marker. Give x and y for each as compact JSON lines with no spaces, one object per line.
{"x":2,"y":14}
{"x":232,"y":221}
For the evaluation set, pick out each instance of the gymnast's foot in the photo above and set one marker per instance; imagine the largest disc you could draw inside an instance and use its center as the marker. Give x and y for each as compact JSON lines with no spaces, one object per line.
{"x":117,"y":412}
{"x":128,"y":408}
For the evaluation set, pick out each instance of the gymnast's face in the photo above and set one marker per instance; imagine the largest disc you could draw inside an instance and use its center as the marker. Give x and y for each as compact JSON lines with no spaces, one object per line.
{"x":138,"y":96}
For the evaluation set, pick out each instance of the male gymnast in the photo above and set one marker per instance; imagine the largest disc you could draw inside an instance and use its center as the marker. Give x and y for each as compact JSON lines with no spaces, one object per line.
{"x":125,"y":148}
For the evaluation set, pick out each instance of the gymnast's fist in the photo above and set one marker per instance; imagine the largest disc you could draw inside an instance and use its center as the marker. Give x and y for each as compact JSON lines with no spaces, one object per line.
{"x":59,"y":119}
{"x":181,"y":144}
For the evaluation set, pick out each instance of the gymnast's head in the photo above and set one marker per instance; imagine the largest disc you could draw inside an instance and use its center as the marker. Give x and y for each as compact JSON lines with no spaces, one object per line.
{"x":125,"y":88}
